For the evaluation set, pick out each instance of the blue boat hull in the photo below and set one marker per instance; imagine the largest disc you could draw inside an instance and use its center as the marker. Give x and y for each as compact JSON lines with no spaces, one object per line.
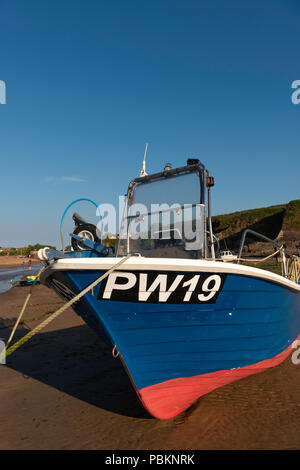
{"x":176,"y":347}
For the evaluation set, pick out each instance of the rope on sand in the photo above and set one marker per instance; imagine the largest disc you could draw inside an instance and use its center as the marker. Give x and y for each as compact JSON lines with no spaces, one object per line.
{"x":59,"y":311}
{"x":24,"y":306}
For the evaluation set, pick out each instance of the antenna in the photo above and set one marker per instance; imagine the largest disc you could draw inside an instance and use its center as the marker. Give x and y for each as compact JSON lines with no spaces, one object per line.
{"x":143,"y":170}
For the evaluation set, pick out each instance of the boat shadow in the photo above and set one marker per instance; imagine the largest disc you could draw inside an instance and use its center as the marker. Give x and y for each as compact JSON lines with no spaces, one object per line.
{"x":74,"y":361}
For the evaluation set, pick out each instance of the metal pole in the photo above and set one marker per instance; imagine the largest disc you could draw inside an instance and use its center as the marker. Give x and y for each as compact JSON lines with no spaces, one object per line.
{"x":296,"y":270}
{"x":284,"y":263}
{"x":212,"y":247}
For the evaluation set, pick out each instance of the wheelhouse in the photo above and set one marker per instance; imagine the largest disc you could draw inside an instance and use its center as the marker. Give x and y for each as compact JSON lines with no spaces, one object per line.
{"x":167,"y":214}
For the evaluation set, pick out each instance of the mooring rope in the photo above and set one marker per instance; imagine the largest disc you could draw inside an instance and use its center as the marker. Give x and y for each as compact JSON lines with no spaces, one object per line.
{"x":256,"y":261}
{"x":59,"y":311}
{"x":294,"y":271}
{"x":24,"y":306}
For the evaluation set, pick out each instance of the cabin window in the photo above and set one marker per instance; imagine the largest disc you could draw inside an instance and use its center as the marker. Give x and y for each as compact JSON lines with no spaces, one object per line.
{"x":165,"y":219}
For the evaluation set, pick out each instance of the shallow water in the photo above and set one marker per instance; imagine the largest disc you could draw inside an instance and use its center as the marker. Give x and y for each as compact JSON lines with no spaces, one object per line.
{"x":10,"y":275}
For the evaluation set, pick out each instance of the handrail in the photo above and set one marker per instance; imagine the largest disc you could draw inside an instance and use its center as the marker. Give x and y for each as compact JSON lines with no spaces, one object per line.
{"x":263,"y":237}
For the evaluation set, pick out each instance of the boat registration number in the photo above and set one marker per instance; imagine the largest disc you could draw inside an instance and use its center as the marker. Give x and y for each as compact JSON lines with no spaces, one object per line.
{"x":153,"y":287}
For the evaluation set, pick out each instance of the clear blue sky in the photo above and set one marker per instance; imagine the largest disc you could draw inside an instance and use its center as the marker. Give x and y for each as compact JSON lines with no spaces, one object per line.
{"x":89,"y":82}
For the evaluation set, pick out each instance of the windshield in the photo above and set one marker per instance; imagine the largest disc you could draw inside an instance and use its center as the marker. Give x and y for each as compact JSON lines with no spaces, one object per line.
{"x":165,"y":218}
{"x":179,"y":189}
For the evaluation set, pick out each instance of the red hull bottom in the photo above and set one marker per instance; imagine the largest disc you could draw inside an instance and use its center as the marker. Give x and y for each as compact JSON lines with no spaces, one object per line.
{"x":168,"y":399}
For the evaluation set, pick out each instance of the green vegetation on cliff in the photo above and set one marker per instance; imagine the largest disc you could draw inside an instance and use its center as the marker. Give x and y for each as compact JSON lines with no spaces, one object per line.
{"x":291,"y":220}
{"x":280,"y":217}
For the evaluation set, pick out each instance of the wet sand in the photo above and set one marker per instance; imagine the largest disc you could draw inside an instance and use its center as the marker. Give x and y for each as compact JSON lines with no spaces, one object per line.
{"x":7,"y":261}
{"x":63,"y":390}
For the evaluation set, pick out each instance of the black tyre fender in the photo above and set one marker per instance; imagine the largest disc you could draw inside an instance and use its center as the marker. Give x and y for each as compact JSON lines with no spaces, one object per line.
{"x":91,"y":234}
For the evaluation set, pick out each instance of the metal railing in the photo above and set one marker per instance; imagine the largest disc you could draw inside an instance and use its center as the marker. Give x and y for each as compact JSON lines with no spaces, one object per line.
{"x":263,"y":237}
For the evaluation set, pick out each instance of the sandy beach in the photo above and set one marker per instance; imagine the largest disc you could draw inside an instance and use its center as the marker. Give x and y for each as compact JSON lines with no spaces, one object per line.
{"x":63,"y":390}
{"x":6,"y":261}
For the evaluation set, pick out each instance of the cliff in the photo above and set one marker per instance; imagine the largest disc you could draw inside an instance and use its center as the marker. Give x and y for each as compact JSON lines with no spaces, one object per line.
{"x":280,"y":223}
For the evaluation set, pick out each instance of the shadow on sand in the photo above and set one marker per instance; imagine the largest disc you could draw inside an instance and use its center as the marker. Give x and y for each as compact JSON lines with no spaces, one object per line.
{"x":75,"y":362}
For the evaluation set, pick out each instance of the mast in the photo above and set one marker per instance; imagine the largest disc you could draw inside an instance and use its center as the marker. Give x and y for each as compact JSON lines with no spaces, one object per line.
{"x":143,"y":170}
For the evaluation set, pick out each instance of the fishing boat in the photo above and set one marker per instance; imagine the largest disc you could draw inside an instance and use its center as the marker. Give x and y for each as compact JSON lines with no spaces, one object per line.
{"x":227,"y":255}
{"x":182,"y":321}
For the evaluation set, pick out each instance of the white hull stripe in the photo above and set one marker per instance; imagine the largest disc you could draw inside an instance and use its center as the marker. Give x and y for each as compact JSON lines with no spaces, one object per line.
{"x":171,"y":264}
